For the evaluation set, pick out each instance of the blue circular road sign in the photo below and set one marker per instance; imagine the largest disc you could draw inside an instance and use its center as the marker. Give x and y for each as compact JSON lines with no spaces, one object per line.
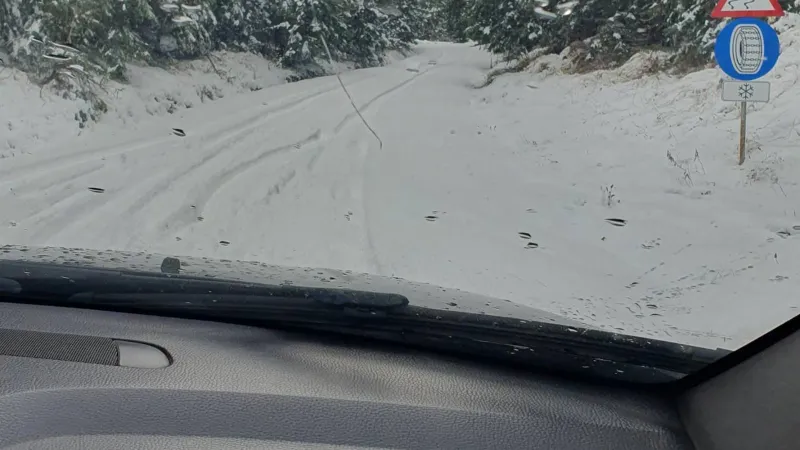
{"x":747,"y":49}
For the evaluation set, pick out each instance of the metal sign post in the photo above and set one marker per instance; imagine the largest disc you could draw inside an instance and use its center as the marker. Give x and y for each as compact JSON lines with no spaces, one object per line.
{"x":744,"y":92}
{"x":742,"y":131}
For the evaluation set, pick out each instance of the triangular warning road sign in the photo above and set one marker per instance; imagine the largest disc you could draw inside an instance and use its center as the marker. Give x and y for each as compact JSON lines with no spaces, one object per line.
{"x":747,"y":8}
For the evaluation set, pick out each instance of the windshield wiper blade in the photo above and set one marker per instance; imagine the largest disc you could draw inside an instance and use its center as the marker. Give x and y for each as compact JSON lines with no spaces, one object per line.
{"x":539,"y":344}
{"x":103,"y":286}
{"x":385,"y":316}
{"x":295,"y":305}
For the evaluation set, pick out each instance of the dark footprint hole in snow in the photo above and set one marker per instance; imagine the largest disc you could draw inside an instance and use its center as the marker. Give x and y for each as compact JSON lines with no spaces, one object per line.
{"x":97,"y":190}
{"x":224,"y":243}
{"x":431,"y":218}
{"x":796,"y":227}
{"x":784,"y":234}
{"x":532,"y":245}
{"x":524,"y":235}
{"x":617,"y":222}
{"x":178,"y":132}
{"x":200,"y":218}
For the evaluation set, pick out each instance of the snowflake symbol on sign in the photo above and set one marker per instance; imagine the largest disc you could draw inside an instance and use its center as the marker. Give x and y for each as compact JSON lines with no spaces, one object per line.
{"x":746,"y":91}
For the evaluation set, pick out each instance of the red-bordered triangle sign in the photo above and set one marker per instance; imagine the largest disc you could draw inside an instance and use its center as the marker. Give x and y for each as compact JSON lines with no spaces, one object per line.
{"x":747,"y":8}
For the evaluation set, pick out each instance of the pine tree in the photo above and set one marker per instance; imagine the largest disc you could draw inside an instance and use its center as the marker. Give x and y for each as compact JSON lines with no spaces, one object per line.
{"x":185,"y":28}
{"x":455,"y":20}
{"x":245,"y":25}
{"x":96,"y":36}
{"x":411,"y":15}
{"x":431,"y":20}
{"x":368,"y":37}
{"x":303,"y":27}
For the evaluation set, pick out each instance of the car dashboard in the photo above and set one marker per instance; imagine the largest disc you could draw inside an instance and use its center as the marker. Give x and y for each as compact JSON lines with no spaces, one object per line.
{"x":86,"y":379}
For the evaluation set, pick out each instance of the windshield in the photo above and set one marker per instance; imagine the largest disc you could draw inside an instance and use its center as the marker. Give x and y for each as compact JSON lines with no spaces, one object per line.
{"x":622,"y":165}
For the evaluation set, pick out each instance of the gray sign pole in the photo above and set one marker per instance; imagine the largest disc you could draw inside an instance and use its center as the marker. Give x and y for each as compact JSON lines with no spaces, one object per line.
{"x":742,"y":132}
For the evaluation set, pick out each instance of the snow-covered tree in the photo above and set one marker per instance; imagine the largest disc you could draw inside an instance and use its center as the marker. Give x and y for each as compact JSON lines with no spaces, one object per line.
{"x":185,"y":28}
{"x":245,"y":25}
{"x":303,"y":27}
{"x":607,"y":31}
{"x":610,"y":31}
{"x":454,"y":18}
{"x":95,"y":36}
{"x":508,"y":27}
{"x":433,"y":26}
{"x":368,"y":37}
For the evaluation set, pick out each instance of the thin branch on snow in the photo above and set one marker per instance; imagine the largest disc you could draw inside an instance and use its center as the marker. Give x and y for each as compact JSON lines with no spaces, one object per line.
{"x":341,"y":83}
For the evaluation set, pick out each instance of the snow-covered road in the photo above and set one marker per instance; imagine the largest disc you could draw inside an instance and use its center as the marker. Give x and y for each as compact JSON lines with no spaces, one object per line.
{"x":504,"y":191}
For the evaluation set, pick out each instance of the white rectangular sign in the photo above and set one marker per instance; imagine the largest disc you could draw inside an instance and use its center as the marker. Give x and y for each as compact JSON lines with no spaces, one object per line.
{"x":745,"y":91}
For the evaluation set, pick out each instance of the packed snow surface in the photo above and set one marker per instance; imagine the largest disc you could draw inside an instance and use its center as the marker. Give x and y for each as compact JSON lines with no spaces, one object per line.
{"x":613,"y":198}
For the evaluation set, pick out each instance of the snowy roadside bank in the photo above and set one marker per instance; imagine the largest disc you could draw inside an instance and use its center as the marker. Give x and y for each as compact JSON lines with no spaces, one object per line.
{"x":31,"y":116}
{"x":704,"y":250}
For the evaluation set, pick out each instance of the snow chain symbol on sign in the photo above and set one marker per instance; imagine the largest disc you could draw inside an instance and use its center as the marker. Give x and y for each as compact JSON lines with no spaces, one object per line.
{"x":746,"y":91}
{"x":747,"y":49}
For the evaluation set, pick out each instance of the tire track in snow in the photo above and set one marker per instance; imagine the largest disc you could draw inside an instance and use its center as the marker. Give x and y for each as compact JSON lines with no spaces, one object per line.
{"x":35,"y":188}
{"x":312,"y":162}
{"x":75,"y":210}
{"x":278,"y":186}
{"x":59,"y":197}
{"x":184,"y":217}
{"x":363,"y":154}
{"x":349,"y":117}
{"x":228,"y":175}
{"x":41,"y":217}
{"x":372,"y":253}
{"x":201,"y":200}
{"x":181,"y":218}
{"x":138,"y":201}
{"x":364,"y":159}
{"x":44,"y":168}
{"x":56,"y":219}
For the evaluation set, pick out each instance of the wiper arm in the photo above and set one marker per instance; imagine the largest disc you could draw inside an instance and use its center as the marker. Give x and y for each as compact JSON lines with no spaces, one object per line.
{"x":539,"y":344}
{"x":89,"y":286}
{"x":385,"y":316}
{"x":293,"y":305}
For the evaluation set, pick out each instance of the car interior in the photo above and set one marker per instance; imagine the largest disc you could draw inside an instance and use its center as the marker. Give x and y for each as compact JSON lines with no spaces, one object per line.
{"x":87,"y":379}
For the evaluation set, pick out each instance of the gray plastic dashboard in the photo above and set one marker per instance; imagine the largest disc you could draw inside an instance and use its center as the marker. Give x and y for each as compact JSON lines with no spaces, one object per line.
{"x":186,"y":384}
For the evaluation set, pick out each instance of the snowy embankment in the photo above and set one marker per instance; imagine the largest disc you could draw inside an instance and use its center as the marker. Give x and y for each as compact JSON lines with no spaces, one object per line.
{"x":710,"y":251}
{"x":33,"y":117}
{"x":613,"y":198}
